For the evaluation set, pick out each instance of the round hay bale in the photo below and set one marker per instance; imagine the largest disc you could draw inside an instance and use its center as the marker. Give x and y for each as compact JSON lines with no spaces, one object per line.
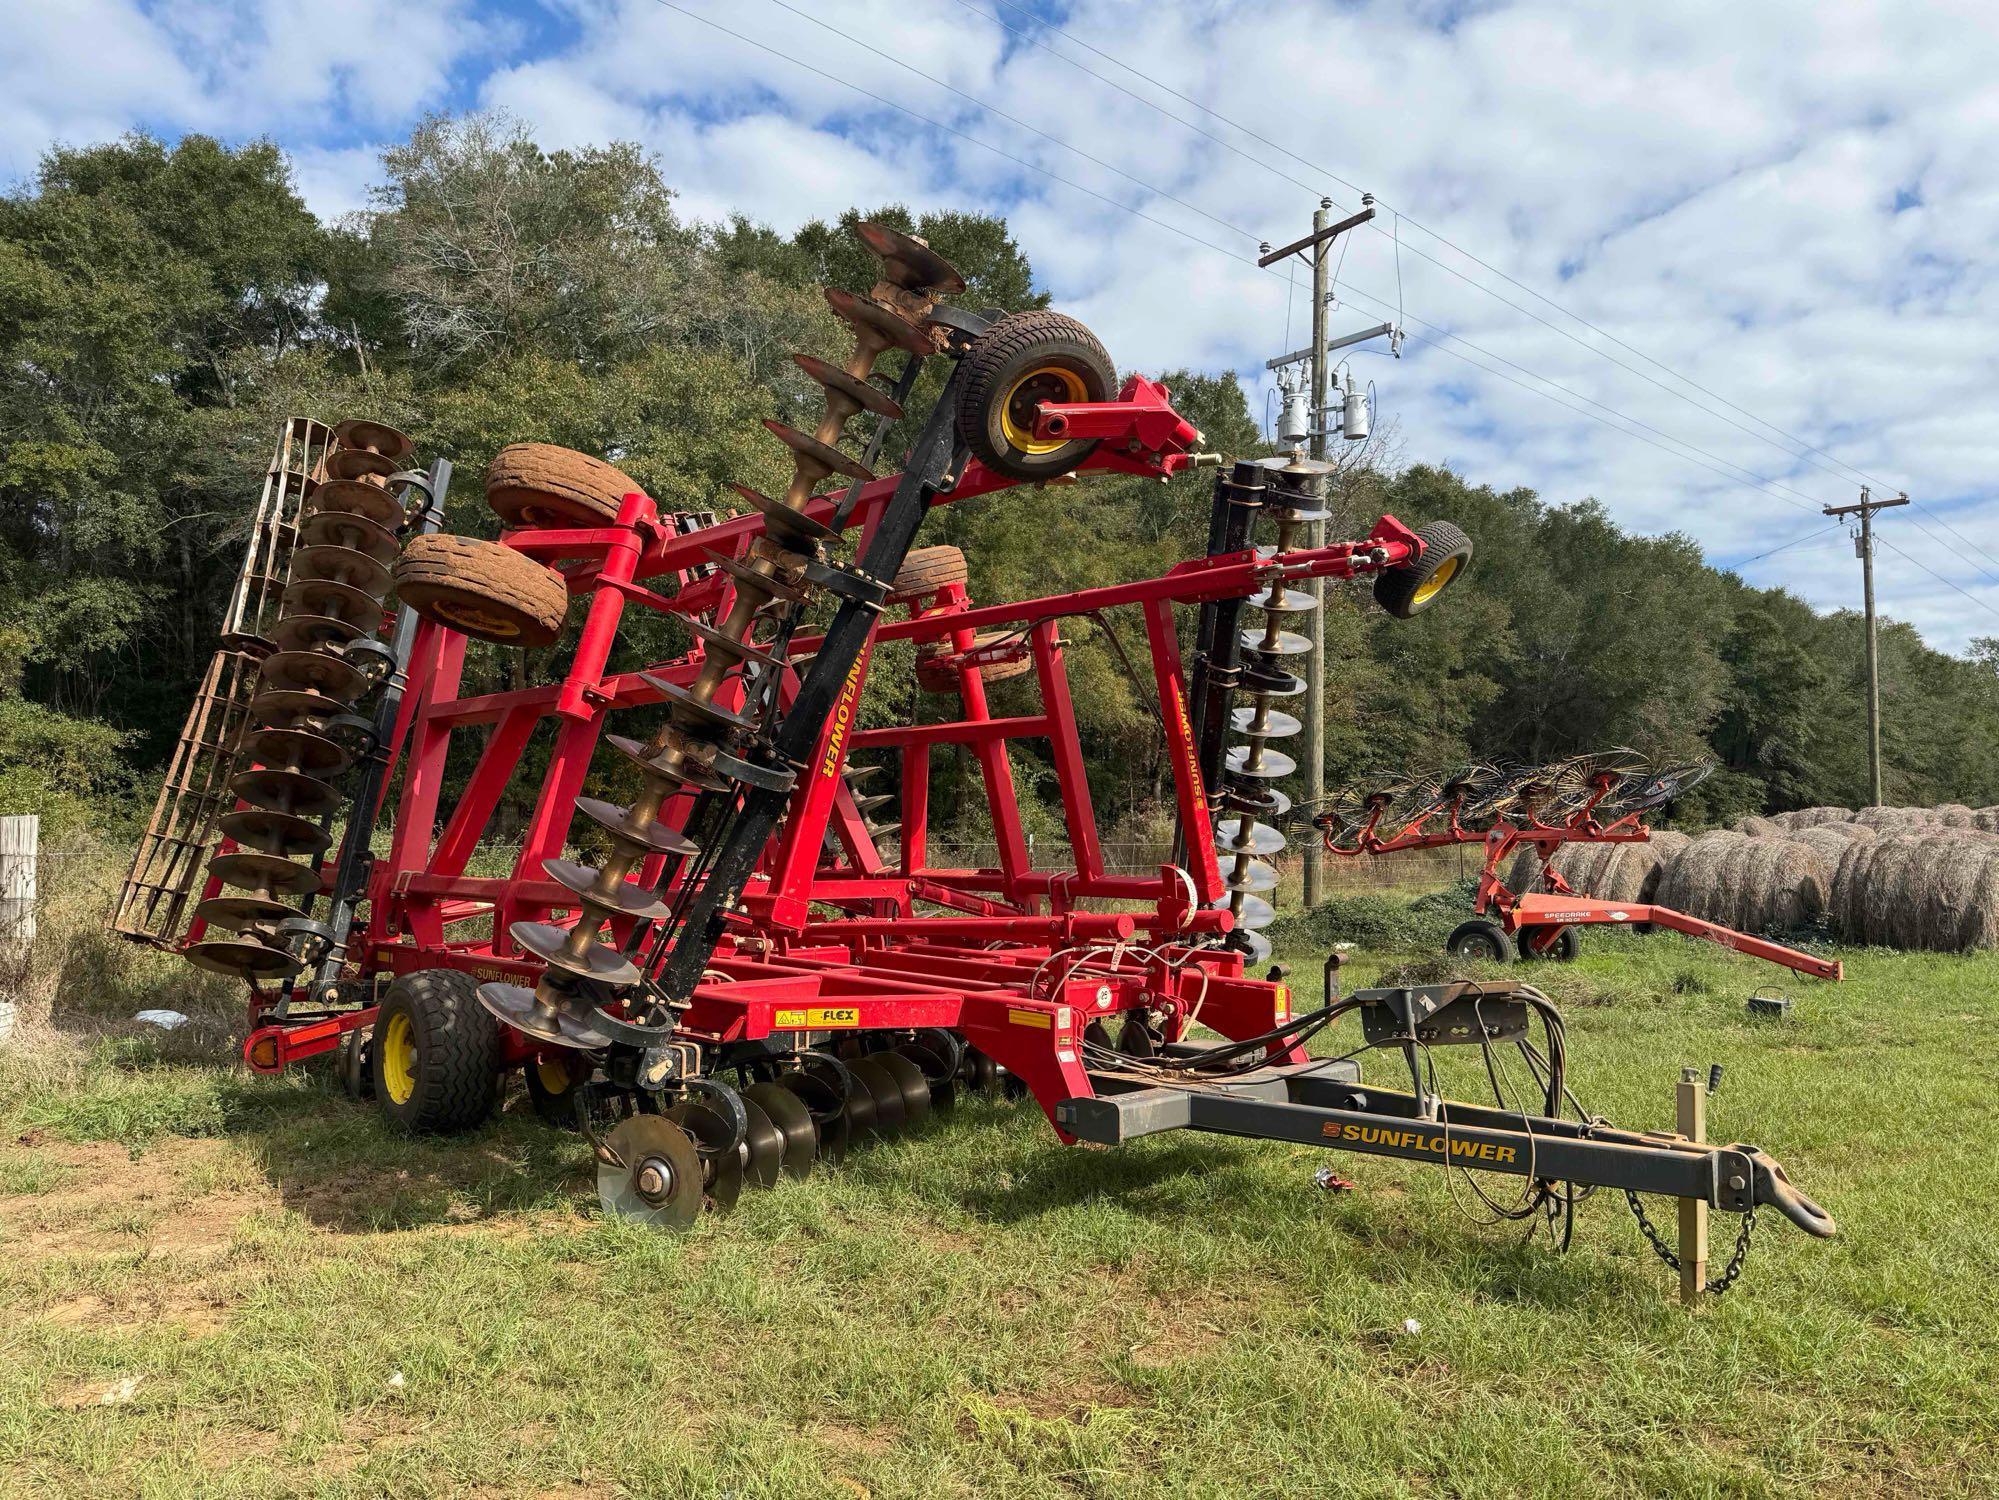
{"x":1954,"y":815}
{"x":1693,"y":882}
{"x":1812,"y":817}
{"x":1830,"y":840}
{"x":1780,"y":885}
{"x":1922,"y":890}
{"x":1758,"y":828}
{"x":1523,"y":871}
{"x":1986,"y":819}
{"x":1664,"y":848}
{"x":1897,"y":818}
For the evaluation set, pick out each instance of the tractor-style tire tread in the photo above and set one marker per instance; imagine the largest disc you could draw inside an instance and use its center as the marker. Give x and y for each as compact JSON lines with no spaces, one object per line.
{"x":1395,"y":590}
{"x":1005,"y":352}
{"x":539,"y":484}
{"x":936,"y":674}
{"x":926,"y":570}
{"x":482,"y":589}
{"x":458,"y":1052}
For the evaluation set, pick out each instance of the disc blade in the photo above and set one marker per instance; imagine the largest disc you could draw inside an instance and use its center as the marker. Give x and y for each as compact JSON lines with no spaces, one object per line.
{"x":520,"y":1008}
{"x":721,"y":1166}
{"x":1255,"y":912}
{"x":763,"y":1147}
{"x":1275,"y":726}
{"x":1271,"y":766}
{"x":1246,"y":836}
{"x":909,"y":1080}
{"x":657,"y":1178}
{"x":884,"y":1099}
{"x":1283,"y":643}
{"x":830,"y":1116}
{"x":788,"y":1114}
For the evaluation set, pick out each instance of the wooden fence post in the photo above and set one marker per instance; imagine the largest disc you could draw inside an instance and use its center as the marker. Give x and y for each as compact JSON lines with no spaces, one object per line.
{"x":1690,"y":1096}
{"x":20,"y":833}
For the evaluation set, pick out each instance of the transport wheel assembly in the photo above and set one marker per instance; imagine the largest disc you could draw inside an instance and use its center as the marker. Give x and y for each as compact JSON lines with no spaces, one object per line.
{"x":436,"y":1052}
{"x":1480,"y":941}
{"x":1018,"y":363}
{"x":483,"y":590}
{"x":1409,"y":590}
{"x":539,"y":484}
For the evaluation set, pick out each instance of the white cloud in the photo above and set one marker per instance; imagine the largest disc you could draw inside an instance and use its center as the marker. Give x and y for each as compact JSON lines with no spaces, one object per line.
{"x":1790,"y":204}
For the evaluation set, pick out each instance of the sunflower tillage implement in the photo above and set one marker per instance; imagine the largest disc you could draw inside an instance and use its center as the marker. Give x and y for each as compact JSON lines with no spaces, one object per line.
{"x":1587,"y":799}
{"x":750,"y":960}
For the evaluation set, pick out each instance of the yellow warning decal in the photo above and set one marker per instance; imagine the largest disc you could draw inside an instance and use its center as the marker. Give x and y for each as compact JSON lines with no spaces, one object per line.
{"x":1039,"y":1018}
{"x":1280,"y":1006}
{"x":817,"y":1017}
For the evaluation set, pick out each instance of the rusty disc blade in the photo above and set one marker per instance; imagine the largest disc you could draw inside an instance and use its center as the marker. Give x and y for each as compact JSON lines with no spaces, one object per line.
{"x":781,"y":519}
{"x":241,"y":958}
{"x":307,"y":632}
{"x":358,"y":497}
{"x":282,"y":705}
{"x":650,"y":760}
{"x":865,"y":315}
{"x":373,"y":437}
{"x":343,"y":528}
{"x":688,"y":709}
{"x":356,"y":463}
{"x":563,"y":1026}
{"x":549,"y":943}
{"x":282,"y":748}
{"x":238,"y":913}
{"x":248,"y":870}
{"x":338,"y":601}
{"x":868,"y":397}
{"x":723,"y":645}
{"x":626,"y":899}
{"x":287,"y":791}
{"x":751,"y":581}
{"x":654,"y":837}
{"x":272,"y":832}
{"x":811,"y":450}
{"x":909,"y":263}
{"x":340,"y":565}
{"x":314,"y":672}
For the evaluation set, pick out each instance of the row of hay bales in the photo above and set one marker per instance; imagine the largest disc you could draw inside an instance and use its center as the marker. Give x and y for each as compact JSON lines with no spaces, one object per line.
{"x":1894,"y":877}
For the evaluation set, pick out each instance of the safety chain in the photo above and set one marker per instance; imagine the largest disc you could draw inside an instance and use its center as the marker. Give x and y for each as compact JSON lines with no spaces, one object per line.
{"x":1716,"y":1285}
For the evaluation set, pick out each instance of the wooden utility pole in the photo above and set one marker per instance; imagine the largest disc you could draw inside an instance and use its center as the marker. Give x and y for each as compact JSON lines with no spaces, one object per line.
{"x":1863,"y":544}
{"x":1317,"y":244}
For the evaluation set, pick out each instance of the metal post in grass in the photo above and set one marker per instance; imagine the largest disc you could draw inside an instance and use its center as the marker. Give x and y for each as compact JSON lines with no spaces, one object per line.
{"x":1691,"y":1100}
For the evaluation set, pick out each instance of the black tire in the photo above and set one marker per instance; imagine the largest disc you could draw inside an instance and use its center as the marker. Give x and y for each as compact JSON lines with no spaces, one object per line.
{"x":357,"y":1072}
{"x":1482,"y":941}
{"x":1411,"y":589}
{"x":1563,"y":950}
{"x":482,"y":589}
{"x":552,"y":1084}
{"x":436,"y":1054}
{"x":926,"y":570}
{"x":1022,"y":360}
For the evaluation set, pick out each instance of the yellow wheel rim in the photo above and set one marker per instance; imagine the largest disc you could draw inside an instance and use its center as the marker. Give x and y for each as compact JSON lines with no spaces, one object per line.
{"x":397,"y":1044}
{"x":1434,"y":585}
{"x":1049,"y":383}
{"x":553,"y":1074}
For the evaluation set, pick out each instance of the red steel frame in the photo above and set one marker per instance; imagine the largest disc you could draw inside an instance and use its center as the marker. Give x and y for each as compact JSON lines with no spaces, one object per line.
{"x":1540,"y":918}
{"x":1019,"y":967}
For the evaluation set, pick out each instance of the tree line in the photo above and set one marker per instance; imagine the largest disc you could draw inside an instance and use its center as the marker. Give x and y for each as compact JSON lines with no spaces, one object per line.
{"x":164,"y":307}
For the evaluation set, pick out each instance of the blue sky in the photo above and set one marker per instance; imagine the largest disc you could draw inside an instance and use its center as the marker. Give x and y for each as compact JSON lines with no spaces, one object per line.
{"x":1776,"y":219}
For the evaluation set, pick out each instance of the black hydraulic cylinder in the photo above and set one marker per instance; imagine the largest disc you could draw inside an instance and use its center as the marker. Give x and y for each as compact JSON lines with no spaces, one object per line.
{"x":929,"y":467}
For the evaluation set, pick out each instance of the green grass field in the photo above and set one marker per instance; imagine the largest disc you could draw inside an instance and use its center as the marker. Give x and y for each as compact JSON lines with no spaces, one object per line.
{"x":218,"y":1285}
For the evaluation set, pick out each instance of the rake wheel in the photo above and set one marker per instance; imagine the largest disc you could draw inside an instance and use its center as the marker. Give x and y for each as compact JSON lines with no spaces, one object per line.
{"x":482,"y":589}
{"x":539,"y":484}
{"x":1024,"y":359}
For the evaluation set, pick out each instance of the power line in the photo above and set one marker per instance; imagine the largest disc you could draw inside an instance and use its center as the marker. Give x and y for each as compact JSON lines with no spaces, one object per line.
{"x":1709,"y":461}
{"x":990,"y":109}
{"x":1933,"y":515}
{"x":1787,"y":546}
{"x":1808,"y":447}
{"x":1940,"y":542}
{"x":1938,"y":577}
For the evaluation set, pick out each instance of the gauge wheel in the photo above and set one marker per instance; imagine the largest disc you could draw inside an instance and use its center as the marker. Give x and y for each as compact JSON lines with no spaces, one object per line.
{"x":435,"y":1057}
{"x":482,"y":589}
{"x":1021,"y":361}
{"x":1480,"y":941}
{"x":1412,"y":588}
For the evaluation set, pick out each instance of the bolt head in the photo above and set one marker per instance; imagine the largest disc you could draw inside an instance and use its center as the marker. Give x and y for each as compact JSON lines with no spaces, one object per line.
{"x":653,"y":1179}
{"x":1738,"y":1182}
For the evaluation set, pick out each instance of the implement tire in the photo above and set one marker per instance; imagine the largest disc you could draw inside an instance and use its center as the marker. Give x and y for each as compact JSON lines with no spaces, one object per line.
{"x":937,"y":673}
{"x":1024,"y":359}
{"x":1413,"y":588}
{"x":539,"y":484}
{"x":925,"y":571}
{"x":436,"y":1053}
{"x":482,"y":589}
